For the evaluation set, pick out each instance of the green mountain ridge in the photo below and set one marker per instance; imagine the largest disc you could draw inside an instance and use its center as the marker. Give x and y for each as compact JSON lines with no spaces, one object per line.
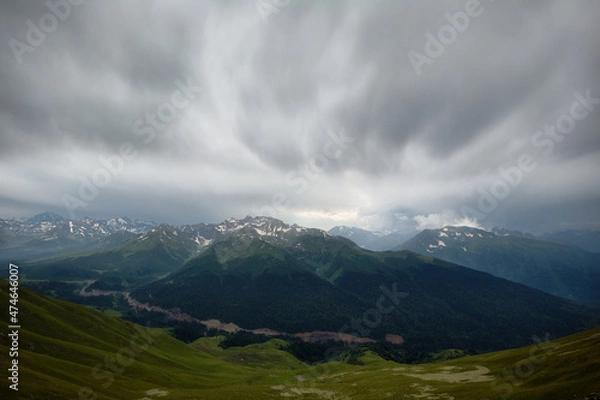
{"x":333,"y":285}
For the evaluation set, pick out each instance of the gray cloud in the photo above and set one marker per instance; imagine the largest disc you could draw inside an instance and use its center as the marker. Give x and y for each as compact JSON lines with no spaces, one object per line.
{"x":275,"y":94}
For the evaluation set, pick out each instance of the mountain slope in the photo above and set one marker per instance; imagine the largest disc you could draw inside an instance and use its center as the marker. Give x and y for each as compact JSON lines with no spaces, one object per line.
{"x":331,"y":284}
{"x":69,"y":351}
{"x":555,"y":268}
{"x":262,"y":287}
{"x":65,"y":348}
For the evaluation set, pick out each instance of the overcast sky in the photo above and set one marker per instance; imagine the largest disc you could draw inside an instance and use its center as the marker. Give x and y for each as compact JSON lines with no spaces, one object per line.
{"x":378,"y":114}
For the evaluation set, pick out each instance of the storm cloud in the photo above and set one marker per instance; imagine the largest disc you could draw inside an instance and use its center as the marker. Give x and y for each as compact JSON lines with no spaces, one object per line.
{"x":383,"y":114}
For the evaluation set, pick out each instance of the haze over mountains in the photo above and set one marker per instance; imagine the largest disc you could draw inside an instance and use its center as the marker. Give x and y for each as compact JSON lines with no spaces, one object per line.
{"x":49,"y":233}
{"x":586,"y":239}
{"x":376,"y":241}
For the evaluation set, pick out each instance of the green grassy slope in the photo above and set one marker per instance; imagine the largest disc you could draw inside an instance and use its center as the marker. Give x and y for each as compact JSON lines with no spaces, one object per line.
{"x":62,"y":343}
{"x":64,"y":348}
{"x":262,"y":355}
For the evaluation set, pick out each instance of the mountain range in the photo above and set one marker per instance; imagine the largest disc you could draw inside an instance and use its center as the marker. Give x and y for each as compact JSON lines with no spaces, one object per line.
{"x":48,"y":233}
{"x":585,"y":239}
{"x":560,"y":269}
{"x":145,"y":257}
{"x":263,"y":273}
{"x":117,"y":249}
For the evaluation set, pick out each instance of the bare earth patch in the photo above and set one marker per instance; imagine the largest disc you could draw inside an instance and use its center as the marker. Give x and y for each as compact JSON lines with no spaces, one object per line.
{"x":428,"y":393}
{"x":297,"y":392}
{"x":157,"y":392}
{"x":154,"y":393}
{"x":480,"y":374}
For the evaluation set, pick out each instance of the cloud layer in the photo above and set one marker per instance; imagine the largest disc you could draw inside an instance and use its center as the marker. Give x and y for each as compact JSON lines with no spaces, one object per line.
{"x":310,"y":111}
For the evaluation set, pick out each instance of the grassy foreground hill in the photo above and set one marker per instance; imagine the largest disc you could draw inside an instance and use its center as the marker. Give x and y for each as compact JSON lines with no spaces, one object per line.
{"x":67,"y":351}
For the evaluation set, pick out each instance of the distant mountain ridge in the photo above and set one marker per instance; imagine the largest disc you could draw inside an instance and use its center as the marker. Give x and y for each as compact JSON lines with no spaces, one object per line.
{"x":49,"y":233}
{"x":556,"y":268}
{"x":376,"y":241}
{"x":587,"y":239}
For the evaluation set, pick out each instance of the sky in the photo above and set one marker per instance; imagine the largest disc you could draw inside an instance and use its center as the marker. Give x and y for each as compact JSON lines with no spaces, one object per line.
{"x":385,"y":115}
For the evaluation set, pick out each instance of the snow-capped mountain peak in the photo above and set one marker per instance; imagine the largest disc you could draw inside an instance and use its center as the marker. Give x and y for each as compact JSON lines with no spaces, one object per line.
{"x":260,"y":227}
{"x":48,"y":233}
{"x":49,"y":227}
